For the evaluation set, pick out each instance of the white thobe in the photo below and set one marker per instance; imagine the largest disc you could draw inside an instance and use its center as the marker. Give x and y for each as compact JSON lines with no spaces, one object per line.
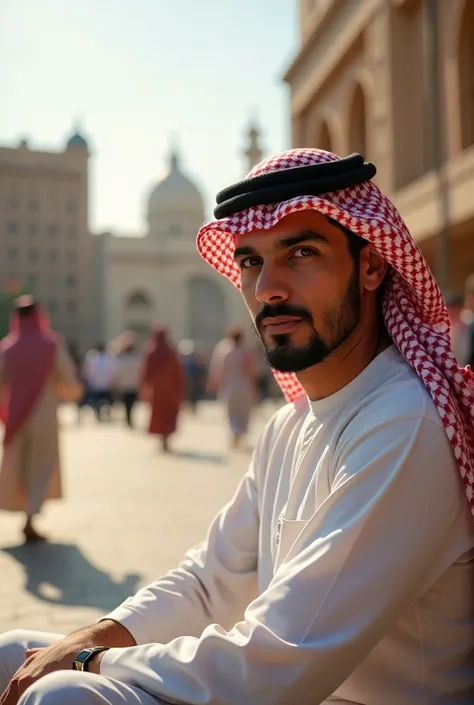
{"x":341,"y":571}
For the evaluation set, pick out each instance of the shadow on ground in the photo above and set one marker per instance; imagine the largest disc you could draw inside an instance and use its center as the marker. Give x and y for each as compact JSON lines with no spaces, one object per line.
{"x":60,"y":574}
{"x":198,"y":456}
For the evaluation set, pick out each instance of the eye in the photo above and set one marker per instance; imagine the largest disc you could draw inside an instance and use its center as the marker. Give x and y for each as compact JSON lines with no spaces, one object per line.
{"x":248,"y":262}
{"x":303,"y":252}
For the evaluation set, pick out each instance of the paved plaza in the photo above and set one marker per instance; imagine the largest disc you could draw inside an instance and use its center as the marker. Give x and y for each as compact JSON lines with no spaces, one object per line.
{"x":128,"y":515}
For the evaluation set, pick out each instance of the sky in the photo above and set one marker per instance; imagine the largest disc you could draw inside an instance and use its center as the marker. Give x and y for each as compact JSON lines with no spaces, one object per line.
{"x":137,"y":76}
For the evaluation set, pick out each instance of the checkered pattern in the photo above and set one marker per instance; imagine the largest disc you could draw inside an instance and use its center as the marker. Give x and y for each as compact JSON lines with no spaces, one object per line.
{"x":413,"y":307}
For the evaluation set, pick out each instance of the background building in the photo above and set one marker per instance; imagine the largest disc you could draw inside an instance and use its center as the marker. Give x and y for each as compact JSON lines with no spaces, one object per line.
{"x":158,"y":276}
{"x":394,"y":80}
{"x":45,"y":243}
{"x":96,"y":286}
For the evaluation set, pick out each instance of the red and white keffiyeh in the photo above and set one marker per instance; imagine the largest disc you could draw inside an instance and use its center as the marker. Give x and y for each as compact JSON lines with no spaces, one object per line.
{"x":414,"y":310}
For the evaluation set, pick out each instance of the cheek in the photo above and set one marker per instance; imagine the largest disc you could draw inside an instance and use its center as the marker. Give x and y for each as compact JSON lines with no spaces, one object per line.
{"x":248,"y":293}
{"x":321,"y":294}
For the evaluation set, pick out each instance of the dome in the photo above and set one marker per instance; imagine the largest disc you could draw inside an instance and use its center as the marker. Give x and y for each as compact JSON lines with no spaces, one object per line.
{"x":77,"y":141}
{"x":175,"y":194}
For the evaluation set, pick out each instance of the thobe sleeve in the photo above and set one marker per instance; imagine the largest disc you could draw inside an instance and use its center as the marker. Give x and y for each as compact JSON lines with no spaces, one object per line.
{"x":368,"y":552}
{"x":214,"y":583}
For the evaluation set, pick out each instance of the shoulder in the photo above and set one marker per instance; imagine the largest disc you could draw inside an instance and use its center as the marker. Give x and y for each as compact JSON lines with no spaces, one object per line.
{"x":401,"y":396}
{"x":286,"y":421}
{"x":397,"y":430}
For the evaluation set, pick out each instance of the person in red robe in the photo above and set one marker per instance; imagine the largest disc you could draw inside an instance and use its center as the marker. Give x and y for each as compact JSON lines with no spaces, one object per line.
{"x":36,"y":371}
{"x":162,"y":384}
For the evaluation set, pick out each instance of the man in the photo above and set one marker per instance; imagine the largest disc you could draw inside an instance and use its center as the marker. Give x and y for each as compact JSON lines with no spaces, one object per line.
{"x":99,"y":371}
{"x":342,"y":570}
{"x":35,"y":372}
{"x":127,"y":373}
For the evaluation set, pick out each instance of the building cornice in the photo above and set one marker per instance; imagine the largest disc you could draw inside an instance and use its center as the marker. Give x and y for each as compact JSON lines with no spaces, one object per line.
{"x":26,"y":170}
{"x":322,"y":57}
{"x":319,"y":25}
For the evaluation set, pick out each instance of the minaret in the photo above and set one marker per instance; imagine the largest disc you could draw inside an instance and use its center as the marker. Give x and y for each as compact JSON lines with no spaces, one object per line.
{"x":254,"y":152}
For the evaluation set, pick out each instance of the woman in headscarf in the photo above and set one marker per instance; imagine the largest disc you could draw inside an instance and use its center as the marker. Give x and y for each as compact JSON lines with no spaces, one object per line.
{"x":35,"y":372}
{"x":162,"y":384}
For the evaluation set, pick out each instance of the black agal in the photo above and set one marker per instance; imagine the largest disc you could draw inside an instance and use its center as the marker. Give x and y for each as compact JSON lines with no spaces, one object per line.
{"x":283,"y":184}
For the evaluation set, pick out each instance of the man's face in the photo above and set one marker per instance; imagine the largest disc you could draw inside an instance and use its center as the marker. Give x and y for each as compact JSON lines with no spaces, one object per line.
{"x":301,"y":286}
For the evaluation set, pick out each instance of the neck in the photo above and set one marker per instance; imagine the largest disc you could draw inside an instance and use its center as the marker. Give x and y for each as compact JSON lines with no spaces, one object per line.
{"x":345,"y":363}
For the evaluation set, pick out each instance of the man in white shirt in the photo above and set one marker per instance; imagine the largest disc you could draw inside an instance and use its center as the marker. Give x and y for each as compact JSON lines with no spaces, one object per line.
{"x":99,"y":372}
{"x":343,"y":569}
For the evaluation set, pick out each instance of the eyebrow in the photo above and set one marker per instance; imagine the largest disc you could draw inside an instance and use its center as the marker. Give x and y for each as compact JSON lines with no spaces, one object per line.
{"x":286,"y":242}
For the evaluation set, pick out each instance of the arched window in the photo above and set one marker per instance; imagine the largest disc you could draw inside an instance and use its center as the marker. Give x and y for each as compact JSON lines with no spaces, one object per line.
{"x":466,"y":74}
{"x":358,"y":123}
{"x":138,"y":299}
{"x":206,"y":310}
{"x":324,"y":140}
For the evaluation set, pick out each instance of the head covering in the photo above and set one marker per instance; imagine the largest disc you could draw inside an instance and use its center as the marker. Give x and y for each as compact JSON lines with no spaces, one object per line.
{"x":29,"y":353}
{"x":158,"y":348}
{"x":414,"y":311}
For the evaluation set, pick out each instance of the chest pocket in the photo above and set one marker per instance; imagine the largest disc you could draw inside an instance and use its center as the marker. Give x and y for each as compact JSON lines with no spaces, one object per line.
{"x":287,"y":533}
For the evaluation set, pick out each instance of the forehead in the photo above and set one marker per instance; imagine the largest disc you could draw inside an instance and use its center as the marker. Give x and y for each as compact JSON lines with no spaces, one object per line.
{"x":293,"y":224}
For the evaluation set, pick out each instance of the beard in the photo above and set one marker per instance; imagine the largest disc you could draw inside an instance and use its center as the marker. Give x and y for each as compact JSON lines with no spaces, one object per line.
{"x":340,"y":321}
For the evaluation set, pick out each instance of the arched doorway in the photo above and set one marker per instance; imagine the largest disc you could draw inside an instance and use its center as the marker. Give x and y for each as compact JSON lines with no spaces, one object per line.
{"x":138,"y":300}
{"x":358,"y":123}
{"x":324,"y":140}
{"x":206,"y":311}
{"x":138,"y":314}
{"x":466,"y":75}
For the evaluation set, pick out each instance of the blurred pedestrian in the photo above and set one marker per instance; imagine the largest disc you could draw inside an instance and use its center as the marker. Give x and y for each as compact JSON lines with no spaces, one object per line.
{"x":233,"y":377}
{"x":162,"y":385}
{"x":35,"y":372}
{"x":127,"y":374}
{"x":99,"y":373}
{"x":78,"y":361}
{"x":195,"y":373}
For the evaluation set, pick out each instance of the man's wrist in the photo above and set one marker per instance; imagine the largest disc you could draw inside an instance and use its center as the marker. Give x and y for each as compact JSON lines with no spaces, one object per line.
{"x":86,"y":657}
{"x":94,"y":664}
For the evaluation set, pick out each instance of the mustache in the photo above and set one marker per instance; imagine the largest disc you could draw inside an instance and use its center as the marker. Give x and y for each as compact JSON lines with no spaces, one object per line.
{"x":272,"y":311}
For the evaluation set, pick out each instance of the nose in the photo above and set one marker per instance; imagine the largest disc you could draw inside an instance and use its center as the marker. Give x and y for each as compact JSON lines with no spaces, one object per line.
{"x":271,"y":286}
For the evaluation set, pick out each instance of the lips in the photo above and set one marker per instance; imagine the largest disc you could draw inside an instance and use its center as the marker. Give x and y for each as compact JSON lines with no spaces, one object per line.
{"x":280,"y":324}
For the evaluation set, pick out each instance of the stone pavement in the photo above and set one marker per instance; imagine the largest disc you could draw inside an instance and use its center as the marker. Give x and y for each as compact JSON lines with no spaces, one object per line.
{"x":128,"y":515}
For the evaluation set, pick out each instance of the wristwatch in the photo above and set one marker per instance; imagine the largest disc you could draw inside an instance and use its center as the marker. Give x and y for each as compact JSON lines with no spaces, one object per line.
{"x":84,"y":656}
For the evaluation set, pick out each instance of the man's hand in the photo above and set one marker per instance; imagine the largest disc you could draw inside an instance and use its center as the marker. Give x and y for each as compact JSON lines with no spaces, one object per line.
{"x":59,"y":656}
{"x":38,"y":663}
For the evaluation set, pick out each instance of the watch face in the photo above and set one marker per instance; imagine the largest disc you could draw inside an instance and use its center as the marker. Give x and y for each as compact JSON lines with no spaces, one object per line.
{"x":79,"y":663}
{"x":82,"y":655}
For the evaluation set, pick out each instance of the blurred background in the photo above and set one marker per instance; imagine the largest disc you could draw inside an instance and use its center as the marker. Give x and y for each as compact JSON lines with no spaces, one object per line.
{"x":119,"y":126}
{"x":119,"y":123}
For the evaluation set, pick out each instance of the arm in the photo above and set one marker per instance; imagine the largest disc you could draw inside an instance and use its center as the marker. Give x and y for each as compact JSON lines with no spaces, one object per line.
{"x":214,"y":583}
{"x":342,"y":585}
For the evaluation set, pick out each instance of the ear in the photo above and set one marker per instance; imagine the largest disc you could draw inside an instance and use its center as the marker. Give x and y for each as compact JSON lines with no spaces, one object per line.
{"x":373,"y":268}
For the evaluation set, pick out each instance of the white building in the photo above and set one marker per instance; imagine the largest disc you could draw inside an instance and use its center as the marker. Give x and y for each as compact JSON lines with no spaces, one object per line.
{"x":159,"y":277}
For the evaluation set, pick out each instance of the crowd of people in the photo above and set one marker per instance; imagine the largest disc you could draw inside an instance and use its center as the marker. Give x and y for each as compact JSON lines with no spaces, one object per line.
{"x":163,"y":376}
